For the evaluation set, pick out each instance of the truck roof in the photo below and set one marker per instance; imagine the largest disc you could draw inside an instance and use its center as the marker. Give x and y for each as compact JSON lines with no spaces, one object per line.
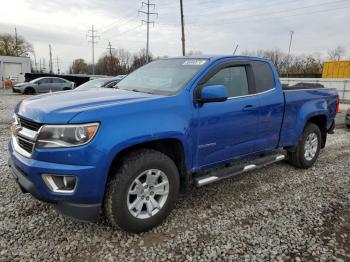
{"x":218,"y":57}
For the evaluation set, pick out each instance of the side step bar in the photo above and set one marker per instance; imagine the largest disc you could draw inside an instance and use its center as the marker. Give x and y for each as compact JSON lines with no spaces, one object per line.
{"x":227,"y":172}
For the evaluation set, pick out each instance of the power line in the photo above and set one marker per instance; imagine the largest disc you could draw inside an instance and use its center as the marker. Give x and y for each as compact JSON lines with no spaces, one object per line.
{"x":274,"y":17}
{"x":92,"y":34}
{"x":147,"y":22}
{"x":110,"y":26}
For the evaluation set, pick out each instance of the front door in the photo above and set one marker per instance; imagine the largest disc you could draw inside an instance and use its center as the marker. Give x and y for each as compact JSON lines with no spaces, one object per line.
{"x":227,"y":130}
{"x":44,"y":85}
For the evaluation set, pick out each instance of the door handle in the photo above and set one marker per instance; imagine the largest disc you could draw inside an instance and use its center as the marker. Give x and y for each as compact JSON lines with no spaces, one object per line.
{"x":248,"y":108}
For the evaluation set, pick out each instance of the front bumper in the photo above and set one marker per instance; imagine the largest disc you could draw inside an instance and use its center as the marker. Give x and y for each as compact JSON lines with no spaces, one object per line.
{"x":347,"y":120}
{"x":15,"y":90}
{"x":83,"y":204}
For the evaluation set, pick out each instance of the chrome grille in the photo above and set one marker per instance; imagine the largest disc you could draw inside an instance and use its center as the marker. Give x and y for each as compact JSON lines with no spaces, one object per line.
{"x":24,"y":135}
{"x":26,"y":144}
{"x":29,"y":124}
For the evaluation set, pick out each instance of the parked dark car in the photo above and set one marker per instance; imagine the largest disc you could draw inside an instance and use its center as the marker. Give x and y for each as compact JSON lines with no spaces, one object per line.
{"x":109,"y":82}
{"x":43,"y":85}
{"x":347,"y":118}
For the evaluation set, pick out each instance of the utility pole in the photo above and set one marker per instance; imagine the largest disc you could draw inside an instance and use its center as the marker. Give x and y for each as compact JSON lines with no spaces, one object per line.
{"x":58,"y":65}
{"x":35,"y":63}
{"x":44,"y":65}
{"x":50,"y":62}
{"x":234,"y":52}
{"x":290,"y":45}
{"x":92,"y":34}
{"x":182,"y":29}
{"x":147,"y":22}
{"x":110,"y":48}
{"x":16,"y":41}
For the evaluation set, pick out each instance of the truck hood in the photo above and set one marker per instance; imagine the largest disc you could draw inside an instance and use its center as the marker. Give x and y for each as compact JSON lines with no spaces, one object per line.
{"x":61,"y":107}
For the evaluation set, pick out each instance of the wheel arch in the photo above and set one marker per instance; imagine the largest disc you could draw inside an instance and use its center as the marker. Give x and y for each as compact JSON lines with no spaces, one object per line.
{"x":171,"y":147}
{"x":29,"y":88}
{"x":321,"y":122}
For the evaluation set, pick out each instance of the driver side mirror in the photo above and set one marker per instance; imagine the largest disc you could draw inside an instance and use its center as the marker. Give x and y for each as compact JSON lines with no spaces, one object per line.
{"x":212,"y":93}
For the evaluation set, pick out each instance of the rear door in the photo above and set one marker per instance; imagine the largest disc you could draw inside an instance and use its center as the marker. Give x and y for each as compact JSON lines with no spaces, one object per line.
{"x":227,"y":130}
{"x":271,"y":106}
{"x":59,"y":84}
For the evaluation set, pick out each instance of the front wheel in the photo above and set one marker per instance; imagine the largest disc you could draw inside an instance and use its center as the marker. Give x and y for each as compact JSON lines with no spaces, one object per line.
{"x":308,"y":149}
{"x":142,"y":191}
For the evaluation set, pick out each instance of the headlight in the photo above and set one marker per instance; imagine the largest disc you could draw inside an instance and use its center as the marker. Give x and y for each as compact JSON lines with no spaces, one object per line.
{"x":66,"y":135}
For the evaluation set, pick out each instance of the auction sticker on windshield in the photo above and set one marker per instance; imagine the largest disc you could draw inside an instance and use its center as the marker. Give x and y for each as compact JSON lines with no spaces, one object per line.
{"x":194,"y":62}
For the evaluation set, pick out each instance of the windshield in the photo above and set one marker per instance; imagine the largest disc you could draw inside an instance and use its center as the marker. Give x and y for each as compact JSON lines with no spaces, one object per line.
{"x":162,"y":76}
{"x":34,"y":80}
{"x":92,"y":84}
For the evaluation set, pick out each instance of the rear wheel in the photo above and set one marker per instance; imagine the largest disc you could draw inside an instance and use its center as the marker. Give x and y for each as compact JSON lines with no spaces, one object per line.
{"x":308,"y":149}
{"x":142,"y":191}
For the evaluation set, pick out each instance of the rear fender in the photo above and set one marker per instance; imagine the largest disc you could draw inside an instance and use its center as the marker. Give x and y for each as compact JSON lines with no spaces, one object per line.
{"x":294,"y":127}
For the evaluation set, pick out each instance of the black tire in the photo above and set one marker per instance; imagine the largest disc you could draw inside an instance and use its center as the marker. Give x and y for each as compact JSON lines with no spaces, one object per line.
{"x":116,"y":197}
{"x":29,"y":91}
{"x":297,"y":158}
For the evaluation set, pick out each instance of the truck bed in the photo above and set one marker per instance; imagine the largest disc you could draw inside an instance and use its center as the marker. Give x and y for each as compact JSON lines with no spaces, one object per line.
{"x":298,"y":105}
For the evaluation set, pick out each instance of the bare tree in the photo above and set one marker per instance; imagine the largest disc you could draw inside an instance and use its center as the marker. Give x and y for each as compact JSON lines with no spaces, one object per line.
{"x":194,"y":53}
{"x":11,"y":47}
{"x":79,"y":66}
{"x":337,"y":53}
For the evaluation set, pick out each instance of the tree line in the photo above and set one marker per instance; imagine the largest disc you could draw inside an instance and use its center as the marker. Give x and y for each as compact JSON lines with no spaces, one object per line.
{"x":306,"y":64}
{"x":121,"y":61}
{"x":116,"y":62}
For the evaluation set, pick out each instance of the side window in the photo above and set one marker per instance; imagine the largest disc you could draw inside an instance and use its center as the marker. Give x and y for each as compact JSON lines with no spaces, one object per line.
{"x":234,"y":78}
{"x":57,"y":80}
{"x":264,"y":79}
{"x":44,"y":81}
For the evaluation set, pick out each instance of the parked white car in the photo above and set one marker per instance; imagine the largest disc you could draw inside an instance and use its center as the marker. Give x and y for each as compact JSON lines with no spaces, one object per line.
{"x":43,"y":85}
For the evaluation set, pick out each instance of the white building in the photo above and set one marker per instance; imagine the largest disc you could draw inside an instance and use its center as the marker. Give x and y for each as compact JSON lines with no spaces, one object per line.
{"x":14,"y":68}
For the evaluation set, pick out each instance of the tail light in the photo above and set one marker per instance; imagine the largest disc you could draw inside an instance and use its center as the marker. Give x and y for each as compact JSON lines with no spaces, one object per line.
{"x":337,"y":109}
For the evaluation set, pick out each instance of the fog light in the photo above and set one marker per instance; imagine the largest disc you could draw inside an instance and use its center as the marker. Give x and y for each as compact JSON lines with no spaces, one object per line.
{"x":59,"y":183}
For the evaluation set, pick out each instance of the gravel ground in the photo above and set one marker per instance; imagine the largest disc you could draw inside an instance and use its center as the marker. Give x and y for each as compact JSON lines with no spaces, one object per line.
{"x":276,"y":213}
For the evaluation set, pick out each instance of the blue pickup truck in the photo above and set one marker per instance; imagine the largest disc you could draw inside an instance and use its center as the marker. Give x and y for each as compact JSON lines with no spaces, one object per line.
{"x":174,"y":123}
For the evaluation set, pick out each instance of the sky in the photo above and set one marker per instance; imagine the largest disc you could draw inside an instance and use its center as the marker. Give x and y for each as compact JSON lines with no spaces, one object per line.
{"x":211,"y":27}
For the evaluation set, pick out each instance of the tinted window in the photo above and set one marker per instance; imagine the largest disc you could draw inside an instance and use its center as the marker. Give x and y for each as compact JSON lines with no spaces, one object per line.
{"x":45,"y":81}
{"x":264,"y":79}
{"x":59,"y":80}
{"x":234,"y":78}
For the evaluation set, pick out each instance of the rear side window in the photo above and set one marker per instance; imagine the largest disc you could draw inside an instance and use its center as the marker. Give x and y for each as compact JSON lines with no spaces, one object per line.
{"x":233,"y":78}
{"x":264,"y":79}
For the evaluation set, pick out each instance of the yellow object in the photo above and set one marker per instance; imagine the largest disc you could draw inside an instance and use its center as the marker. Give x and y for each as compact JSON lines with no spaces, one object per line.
{"x":336,"y":69}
